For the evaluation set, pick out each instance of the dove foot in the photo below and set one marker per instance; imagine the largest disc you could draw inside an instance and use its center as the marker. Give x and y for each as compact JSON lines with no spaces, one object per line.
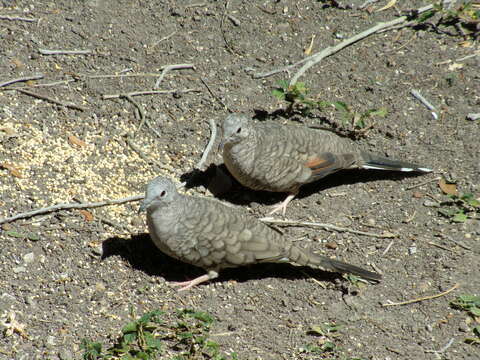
{"x":185,"y":285}
{"x":282,"y":206}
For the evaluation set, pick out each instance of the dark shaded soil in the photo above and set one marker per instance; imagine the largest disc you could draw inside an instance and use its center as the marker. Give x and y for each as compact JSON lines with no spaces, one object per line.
{"x":77,"y":277}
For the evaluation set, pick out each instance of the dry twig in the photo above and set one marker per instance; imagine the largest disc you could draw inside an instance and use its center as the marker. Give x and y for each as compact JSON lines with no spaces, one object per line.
{"x":64,"y":52}
{"x":49,"y":99}
{"x":416,"y":94}
{"x":16,"y":18}
{"x":270,"y":220}
{"x":57,"y":207}
{"x":22,"y":79}
{"x":422,"y":183}
{"x":167,"y":68}
{"x":213,"y":135}
{"x":422,"y":298}
{"x":149,"y":92}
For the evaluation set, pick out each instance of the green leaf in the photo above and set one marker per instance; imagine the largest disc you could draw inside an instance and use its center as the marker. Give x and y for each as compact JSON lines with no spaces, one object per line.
{"x":153,"y":342}
{"x":33,"y":236}
{"x":142,"y":356}
{"x":130,"y":337}
{"x":382,"y":112}
{"x":130,"y":327}
{"x":14,"y":234}
{"x":475,"y":311}
{"x":153,"y":316}
{"x":340,"y":105}
{"x":279,"y":94}
{"x":203,"y":316}
{"x":426,"y":15}
{"x":283,"y":84}
{"x":328,"y":346}
{"x":460,"y":217}
{"x":476,"y":330}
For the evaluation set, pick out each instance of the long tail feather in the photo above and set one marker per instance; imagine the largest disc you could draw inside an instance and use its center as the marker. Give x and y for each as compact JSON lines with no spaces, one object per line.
{"x":373,"y":161}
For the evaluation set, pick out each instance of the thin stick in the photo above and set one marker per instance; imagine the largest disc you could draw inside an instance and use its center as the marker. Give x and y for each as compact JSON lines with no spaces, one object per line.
{"x":443,"y":349}
{"x":49,"y":99}
{"x":387,"y":248}
{"x":141,"y":113}
{"x":164,"y":38}
{"x":70,"y":206}
{"x":22,"y":79}
{"x":213,"y":135}
{"x":64,"y":52}
{"x":167,"y":68}
{"x":458,"y":243}
{"x":423,"y":183}
{"x":269,"y":220}
{"x":16,"y":18}
{"x":439,"y":246}
{"x":212,"y":94}
{"x":416,"y":94}
{"x":107,"y":76}
{"x":313,"y":279}
{"x":148,"y":92}
{"x":422,"y":298}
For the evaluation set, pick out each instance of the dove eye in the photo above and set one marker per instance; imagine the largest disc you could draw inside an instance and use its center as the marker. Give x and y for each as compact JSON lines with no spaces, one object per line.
{"x":162,"y":194}
{"x":239,"y":130}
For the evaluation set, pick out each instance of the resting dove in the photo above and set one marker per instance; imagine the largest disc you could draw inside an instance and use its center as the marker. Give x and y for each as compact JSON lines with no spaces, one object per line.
{"x":281,"y":158}
{"x":213,"y":236}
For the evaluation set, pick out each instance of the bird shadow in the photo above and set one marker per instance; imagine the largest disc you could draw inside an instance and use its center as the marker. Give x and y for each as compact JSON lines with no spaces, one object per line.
{"x":142,"y":254}
{"x":240,"y":195}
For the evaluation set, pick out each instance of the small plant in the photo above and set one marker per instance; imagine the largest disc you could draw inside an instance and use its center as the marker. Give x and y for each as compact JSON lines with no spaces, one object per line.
{"x":471,"y":304}
{"x":460,"y":208}
{"x":296,"y":96}
{"x":465,"y":18}
{"x":147,"y":337}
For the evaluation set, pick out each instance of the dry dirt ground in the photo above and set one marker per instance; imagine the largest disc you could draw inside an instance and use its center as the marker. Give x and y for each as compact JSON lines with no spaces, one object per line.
{"x":71,"y":274}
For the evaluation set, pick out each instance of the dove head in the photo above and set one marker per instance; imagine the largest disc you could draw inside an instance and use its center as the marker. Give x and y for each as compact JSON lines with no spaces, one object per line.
{"x":160,"y":192}
{"x":235,"y":128}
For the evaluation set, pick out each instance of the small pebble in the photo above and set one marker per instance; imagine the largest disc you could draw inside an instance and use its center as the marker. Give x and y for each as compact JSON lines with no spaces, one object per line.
{"x":50,"y":341}
{"x":430,"y":203}
{"x":19,"y":269}
{"x":28,"y":258}
{"x":331,"y":245}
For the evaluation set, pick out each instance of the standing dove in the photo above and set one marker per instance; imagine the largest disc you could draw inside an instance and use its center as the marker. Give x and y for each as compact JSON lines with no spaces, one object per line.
{"x":281,"y":158}
{"x":208,"y":234}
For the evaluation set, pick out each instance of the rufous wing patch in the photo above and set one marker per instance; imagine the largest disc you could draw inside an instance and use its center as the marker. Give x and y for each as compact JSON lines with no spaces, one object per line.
{"x":322,"y":165}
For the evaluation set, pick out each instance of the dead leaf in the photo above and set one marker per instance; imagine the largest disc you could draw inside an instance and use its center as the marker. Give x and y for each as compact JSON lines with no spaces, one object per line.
{"x":8,"y":131}
{"x":308,"y":50}
{"x":465,"y":44}
{"x":13,"y":170}
{"x":449,"y":189}
{"x":417,"y":195}
{"x":18,"y":63}
{"x":73,"y":140}
{"x":87,"y":215}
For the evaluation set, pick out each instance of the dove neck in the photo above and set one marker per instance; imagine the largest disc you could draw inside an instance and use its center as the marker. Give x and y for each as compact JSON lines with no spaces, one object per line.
{"x":241,"y":153}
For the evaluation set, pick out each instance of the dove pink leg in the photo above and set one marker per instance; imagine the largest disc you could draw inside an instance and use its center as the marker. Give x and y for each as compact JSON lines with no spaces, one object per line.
{"x":185,"y":285}
{"x":282,"y":206}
